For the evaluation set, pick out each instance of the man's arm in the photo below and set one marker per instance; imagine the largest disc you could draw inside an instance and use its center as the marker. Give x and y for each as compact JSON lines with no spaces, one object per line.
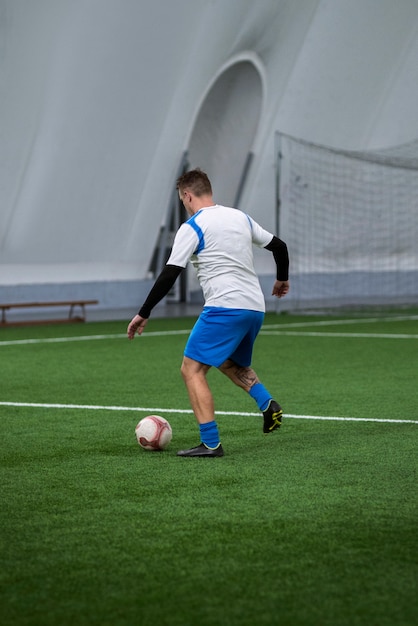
{"x":161,"y":287}
{"x":281,"y":257}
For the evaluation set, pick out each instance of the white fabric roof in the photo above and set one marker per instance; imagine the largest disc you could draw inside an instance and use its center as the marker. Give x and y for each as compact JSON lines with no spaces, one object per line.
{"x":99,"y":100}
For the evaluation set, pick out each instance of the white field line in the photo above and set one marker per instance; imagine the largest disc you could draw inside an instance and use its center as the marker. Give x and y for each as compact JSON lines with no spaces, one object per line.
{"x":157,"y":410}
{"x":23,"y":342}
{"x":266,"y":330}
{"x":363,"y":320}
{"x":289,"y":333}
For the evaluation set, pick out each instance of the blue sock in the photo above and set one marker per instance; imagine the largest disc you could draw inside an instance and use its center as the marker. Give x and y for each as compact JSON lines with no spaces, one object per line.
{"x":260,"y":395}
{"x":209,"y":434}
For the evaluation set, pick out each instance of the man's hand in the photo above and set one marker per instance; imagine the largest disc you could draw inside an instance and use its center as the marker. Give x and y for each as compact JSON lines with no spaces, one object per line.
{"x":137,"y":324}
{"x":280,"y":288}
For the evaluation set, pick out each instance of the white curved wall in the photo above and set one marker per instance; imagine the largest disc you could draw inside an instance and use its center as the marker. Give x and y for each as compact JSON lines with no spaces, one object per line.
{"x":98,"y":101}
{"x":357,"y":62}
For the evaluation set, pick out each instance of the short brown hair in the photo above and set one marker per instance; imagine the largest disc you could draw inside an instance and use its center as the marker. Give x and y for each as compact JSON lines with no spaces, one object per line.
{"x":196,"y":181}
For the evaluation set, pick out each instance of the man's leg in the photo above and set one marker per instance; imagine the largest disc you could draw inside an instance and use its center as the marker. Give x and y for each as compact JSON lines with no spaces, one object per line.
{"x":247,"y":379}
{"x":201,"y":400}
{"x":244,"y":377}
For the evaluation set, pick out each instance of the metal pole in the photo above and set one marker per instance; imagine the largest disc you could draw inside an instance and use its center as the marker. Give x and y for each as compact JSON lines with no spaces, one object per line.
{"x":243,"y":178}
{"x":277,"y":160}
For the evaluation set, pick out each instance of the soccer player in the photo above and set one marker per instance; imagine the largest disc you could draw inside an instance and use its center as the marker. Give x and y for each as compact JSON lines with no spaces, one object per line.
{"x":218,"y":241}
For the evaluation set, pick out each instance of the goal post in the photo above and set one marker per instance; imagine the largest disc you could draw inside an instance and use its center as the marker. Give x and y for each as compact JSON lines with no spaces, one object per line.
{"x":350,"y":220}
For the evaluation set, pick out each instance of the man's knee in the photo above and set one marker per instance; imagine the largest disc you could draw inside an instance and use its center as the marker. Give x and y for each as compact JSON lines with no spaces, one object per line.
{"x":227,"y":366}
{"x":190,"y":368}
{"x":185,"y":369}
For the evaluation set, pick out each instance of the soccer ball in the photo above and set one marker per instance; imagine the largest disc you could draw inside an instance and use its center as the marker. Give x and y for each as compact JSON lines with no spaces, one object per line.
{"x":153,"y":433}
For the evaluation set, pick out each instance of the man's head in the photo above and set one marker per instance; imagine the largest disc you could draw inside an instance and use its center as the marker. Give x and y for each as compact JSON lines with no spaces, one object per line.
{"x":195,"y":190}
{"x":195,"y":181}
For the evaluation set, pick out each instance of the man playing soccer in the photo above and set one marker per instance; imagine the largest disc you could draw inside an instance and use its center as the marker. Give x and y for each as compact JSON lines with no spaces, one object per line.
{"x":218,"y":241}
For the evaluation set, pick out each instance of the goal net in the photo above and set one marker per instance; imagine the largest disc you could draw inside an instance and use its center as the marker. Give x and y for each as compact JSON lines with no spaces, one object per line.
{"x":350,"y":220}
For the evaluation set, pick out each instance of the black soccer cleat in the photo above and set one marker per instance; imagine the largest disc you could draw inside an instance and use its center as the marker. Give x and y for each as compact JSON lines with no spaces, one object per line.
{"x":272,"y":417}
{"x":202,"y":451}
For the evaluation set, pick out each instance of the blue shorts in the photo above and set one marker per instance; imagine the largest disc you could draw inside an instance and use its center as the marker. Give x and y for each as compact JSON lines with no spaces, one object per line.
{"x":221,"y":334}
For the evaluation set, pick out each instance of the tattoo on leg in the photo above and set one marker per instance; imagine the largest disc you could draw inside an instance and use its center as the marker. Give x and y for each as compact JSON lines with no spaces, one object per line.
{"x":246,"y":376}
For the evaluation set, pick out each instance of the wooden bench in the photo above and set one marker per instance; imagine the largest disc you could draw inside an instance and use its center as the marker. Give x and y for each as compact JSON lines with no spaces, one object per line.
{"x":73,"y":304}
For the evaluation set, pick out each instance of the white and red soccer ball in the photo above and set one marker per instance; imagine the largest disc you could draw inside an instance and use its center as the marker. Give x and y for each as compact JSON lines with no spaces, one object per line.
{"x":153,"y":433}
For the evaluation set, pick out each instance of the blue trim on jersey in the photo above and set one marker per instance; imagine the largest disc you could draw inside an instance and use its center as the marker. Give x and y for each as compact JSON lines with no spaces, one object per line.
{"x":249,"y":219}
{"x":192,"y":222}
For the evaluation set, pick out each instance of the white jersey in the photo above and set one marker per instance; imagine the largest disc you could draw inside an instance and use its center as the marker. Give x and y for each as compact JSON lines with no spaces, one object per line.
{"x":218,"y":241}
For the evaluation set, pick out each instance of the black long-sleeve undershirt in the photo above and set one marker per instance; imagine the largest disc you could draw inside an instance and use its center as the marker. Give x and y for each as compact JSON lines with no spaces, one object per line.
{"x":161,"y":287}
{"x":281,"y":257}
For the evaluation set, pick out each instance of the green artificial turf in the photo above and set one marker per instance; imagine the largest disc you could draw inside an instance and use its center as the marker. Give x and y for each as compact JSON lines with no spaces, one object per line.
{"x":314,"y":524}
